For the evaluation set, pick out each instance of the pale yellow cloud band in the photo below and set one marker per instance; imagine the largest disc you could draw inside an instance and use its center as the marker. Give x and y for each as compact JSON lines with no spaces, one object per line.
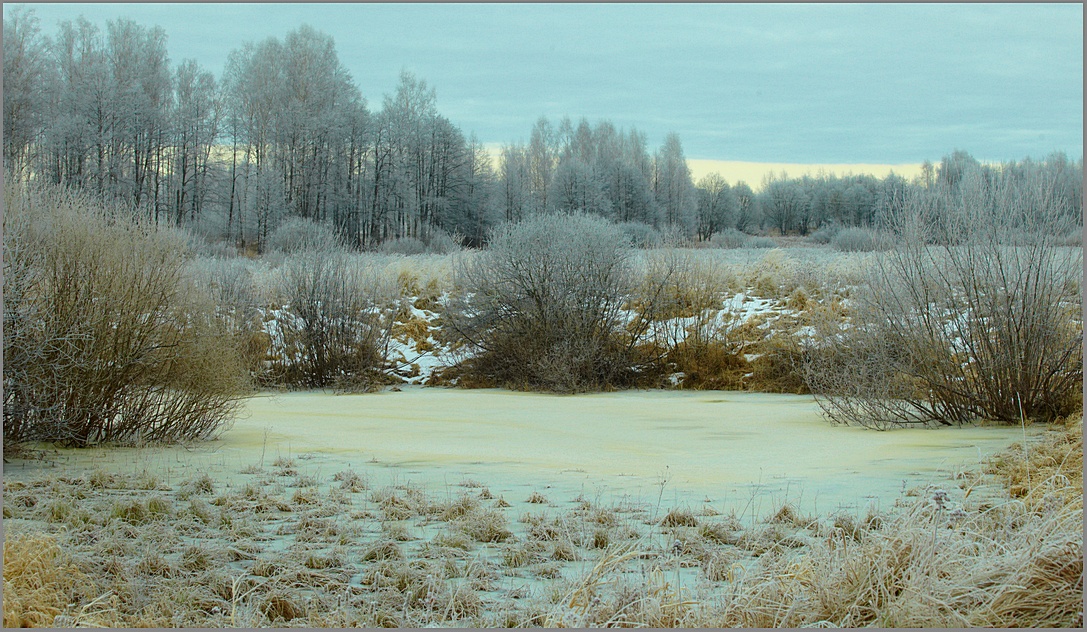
{"x":754,"y":173}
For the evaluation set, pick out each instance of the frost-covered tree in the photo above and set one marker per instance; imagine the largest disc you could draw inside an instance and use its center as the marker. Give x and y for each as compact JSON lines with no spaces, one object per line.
{"x":542,"y":160}
{"x":27,"y":80}
{"x":673,"y":188}
{"x":515,"y":181}
{"x":576,"y":188}
{"x":748,"y":213}
{"x":784,"y":202}
{"x":197,"y":118}
{"x":717,"y":205}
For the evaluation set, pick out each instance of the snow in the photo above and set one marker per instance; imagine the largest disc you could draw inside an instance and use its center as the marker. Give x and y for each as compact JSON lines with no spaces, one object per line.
{"x":415,"y":366}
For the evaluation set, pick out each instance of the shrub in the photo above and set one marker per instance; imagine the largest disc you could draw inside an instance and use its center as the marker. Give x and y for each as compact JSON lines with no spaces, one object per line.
{"x":1072,"y":238}
{"x":641,"y":235}
{"x":105,"y":339}
{"x":729,"y":238}
{"x":543,"y":306}
{"x":824,"y":234}
{"x":682,"y":299}
{"x":971,"y":327}
{"x":761,"y":242}
{"x":298,"y":234}
{"x":334,"y":329}
{"x":440,"y":242}
{"x":231,"y":284}
{"x":856,"y":240}
{"x":403,"y":246}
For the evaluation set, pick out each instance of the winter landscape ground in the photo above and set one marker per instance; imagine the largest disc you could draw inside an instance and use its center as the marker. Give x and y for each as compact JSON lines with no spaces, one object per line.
{"x":289,"y":341}
{"x":414,"y":505}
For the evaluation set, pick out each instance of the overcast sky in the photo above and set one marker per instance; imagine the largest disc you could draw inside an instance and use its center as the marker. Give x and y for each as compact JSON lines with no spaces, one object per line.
{"x":765,"y":83}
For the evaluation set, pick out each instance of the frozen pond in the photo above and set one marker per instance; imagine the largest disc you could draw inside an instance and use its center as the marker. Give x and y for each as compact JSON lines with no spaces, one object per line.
{"x":728,"y":449}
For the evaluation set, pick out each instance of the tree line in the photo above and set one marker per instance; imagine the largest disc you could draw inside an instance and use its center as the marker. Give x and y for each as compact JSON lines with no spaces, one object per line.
{"x":285,"y":133}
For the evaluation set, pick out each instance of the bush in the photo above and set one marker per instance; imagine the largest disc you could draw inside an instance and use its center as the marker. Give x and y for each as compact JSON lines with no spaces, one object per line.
{"x":975,"y":327}
{"x":440,"y":242}
{"x":334,"y":330}
{"x":729,"y":238}
{"x":1072,"y":238}
{"x":298,"y":234}
{"x":824,"y":235}
{"x":232,"y":286}
{"x":856,"y":240}
{"x":403,"y":246}
{"x":680,"y":305}
{"x":761,"y":242}
{"x":641,"y":235}
{"x":105,"y":340}
{"x":543,"y":306}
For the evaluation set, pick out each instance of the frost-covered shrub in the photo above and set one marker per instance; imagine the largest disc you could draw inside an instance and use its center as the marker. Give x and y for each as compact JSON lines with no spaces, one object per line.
{"x":296,"y":234}
{"x":856,"y":240}
{"x":334,"y":328}
{"x":824,"y":234}
{"x":233,"y":286}
{"x":761,"y":242}
{"x":729,"y":238}
{"x":542,"y":307}
{"x":106,"y":339}
{"x":976,"y":326}
{"x":403,"y":246}
{"x":1072,"y":238}
{"x":640,"y":235}
{"x":440,"y":242}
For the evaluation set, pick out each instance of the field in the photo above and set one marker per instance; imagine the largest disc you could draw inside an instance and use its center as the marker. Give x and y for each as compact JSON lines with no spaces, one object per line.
{"x":418,"y":506}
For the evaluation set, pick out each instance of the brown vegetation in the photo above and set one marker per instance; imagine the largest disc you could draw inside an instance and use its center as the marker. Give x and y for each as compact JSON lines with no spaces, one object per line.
{"x":543,"y":307}
{"x":251,"y":558}
{"x":105,"y":340}
{"x":975,"y":313}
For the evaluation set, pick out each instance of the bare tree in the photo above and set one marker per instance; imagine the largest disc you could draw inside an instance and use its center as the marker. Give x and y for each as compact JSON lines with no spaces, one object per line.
{"x":717,"y":205}
{"x":196,"y":123}
{"x":576,"y":188}
{"x":785,"y":202}
{"x":515,"y":178}
{"x":673,"y":188}
{"x":27,"y":80}
{"x":542,"y":160}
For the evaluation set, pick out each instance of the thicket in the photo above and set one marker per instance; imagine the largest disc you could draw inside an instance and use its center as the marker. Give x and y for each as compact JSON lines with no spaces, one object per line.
{"x":334,"y":327}
{"x":856,"y":240}
{"x":681,"y":299}
{"x":974,"y":313}
{"x":543,"y":307}
{"x":105,"y":339}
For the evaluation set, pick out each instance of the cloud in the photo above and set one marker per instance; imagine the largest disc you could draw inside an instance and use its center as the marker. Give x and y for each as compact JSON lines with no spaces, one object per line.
{"x":805,"y":83}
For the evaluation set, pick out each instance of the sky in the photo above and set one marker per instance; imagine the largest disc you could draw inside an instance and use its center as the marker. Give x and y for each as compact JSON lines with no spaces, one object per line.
{"x":857,"y":87}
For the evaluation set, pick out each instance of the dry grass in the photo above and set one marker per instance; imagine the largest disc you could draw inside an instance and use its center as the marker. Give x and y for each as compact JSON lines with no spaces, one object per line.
{"x":1047,"y":471}
{"x":121,"y":556}
{"x":39,"y":581}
